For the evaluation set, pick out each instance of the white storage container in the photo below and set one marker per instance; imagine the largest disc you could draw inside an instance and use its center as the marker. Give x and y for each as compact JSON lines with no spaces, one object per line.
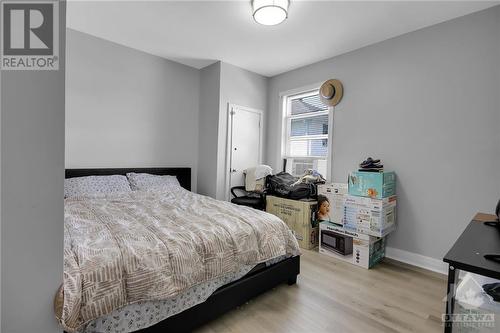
{"x":475,"y":310}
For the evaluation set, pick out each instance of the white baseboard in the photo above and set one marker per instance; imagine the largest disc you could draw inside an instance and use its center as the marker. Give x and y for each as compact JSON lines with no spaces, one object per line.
{"x":418,"y":260}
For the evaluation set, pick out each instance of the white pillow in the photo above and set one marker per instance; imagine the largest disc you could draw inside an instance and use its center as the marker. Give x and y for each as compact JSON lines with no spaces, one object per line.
{"x":146,"y":181}
{"x":90,"y":185}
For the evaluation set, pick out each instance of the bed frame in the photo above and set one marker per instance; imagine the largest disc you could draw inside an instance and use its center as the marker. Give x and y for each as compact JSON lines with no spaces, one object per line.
{"x":257,"y":281}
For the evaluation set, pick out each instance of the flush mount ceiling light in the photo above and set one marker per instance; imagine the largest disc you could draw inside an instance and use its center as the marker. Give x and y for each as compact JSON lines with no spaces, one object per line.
{"x":270,"y":12}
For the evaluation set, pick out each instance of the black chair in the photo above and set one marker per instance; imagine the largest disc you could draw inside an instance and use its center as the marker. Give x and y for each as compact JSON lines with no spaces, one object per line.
{"x":255,"y":200}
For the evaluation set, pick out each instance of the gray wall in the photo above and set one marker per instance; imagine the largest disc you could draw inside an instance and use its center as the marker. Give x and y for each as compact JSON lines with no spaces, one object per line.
{"x":244,"y":88}
{"x":1,"y":202}
{"x":221,"y":84}
{"x":116,"y":95}
{"x":208,"y":129}
{"x":32,"y":173}
{"x":427,"y":103}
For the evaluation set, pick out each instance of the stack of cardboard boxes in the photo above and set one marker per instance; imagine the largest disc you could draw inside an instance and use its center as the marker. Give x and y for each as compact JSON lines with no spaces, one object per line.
{"x":362,"y":213}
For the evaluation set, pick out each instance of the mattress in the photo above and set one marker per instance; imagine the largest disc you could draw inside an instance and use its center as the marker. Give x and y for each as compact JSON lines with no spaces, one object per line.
{"x":143,"y":248}
{"x":145,"y":314}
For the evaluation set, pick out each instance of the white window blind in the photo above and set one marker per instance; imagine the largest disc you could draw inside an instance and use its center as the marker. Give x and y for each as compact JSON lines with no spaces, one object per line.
{"x":306,"y":133}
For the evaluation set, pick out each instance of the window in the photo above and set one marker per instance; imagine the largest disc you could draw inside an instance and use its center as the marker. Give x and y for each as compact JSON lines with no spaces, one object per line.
{"x":306,"y":133}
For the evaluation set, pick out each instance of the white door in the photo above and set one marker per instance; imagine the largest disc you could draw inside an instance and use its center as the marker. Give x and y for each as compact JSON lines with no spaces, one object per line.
{"x":245,"y":142}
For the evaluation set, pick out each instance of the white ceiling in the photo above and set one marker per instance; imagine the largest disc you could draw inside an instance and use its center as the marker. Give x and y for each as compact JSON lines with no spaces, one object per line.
{"x":200,"y":33}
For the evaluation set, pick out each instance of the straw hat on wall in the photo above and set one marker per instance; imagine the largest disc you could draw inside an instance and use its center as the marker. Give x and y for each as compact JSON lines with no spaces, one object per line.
{"x":331,"y":92}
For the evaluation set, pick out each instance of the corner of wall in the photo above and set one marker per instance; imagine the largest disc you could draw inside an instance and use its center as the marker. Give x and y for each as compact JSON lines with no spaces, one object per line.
{"x":241,"y":87}
{"x":208,"y":113}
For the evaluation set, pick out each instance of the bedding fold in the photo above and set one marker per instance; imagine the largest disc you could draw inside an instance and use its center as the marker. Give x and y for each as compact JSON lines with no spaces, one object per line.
{"x":147,"y":246}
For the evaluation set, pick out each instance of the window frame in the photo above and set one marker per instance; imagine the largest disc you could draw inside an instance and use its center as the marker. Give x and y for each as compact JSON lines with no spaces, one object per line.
{"x":286,"y":137}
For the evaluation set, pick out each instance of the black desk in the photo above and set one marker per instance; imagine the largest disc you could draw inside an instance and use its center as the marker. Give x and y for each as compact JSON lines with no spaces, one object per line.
{"x":467,"y":254}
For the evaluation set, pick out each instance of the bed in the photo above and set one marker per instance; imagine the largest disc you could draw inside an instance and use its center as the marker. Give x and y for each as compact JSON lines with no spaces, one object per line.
{"x":221,"y":295}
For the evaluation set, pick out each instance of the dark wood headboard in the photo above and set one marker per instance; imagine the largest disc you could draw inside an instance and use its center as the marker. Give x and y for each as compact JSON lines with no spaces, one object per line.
{"x":182,"y":174}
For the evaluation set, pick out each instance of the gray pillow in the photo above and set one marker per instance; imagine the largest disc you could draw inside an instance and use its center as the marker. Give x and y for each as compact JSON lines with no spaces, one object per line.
{"x":85,"y":186}
{"x":146,"y":181}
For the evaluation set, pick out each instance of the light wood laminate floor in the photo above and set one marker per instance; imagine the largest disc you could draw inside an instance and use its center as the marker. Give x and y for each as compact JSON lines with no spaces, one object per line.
{"x":333,"y":296}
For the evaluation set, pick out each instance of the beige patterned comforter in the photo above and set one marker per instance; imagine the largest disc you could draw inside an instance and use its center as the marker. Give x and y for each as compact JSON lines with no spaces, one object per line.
{"x":144,"y":246}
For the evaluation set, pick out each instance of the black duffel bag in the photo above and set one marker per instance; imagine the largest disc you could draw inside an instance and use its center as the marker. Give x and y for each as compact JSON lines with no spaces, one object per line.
{"x":302,"y":191}
{"x":280,"y":185}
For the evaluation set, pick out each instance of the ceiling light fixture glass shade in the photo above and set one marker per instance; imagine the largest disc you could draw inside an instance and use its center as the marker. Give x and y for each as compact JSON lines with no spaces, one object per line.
{"x":270,"y":12}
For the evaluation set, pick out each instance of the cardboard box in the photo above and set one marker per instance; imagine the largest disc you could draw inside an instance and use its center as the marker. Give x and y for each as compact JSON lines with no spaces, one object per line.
{"x":335,"y":193}
{"x":375,"y":217}
{"x":376,"y":185}
{"x":299,"y":215}
{"x":355,"y":248}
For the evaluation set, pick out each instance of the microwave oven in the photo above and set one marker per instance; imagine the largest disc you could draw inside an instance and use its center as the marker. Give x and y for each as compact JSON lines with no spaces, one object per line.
{"x":336,"y":242}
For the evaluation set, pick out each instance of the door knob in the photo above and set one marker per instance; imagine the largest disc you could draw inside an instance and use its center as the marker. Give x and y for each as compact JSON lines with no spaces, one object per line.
{"x":233,"y":170}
